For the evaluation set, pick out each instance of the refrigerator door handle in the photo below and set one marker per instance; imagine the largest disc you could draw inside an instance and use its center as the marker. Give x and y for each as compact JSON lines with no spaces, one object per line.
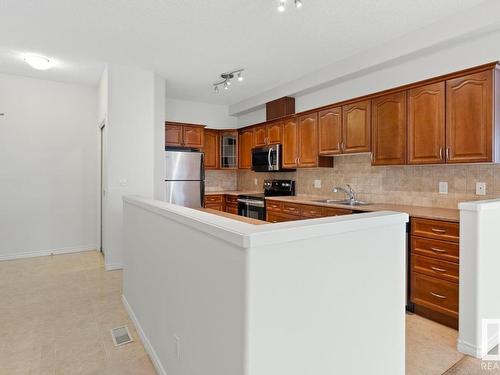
{"x":202,"y":193}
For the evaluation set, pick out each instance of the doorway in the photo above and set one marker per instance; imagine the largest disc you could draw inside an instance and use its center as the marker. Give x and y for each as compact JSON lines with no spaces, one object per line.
{"x":102,"y":187}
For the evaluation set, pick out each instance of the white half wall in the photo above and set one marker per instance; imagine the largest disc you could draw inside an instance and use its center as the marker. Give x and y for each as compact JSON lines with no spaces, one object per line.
{"x":479,"y":277}
{"x":212,"y":115}
{"x":48,"y":167}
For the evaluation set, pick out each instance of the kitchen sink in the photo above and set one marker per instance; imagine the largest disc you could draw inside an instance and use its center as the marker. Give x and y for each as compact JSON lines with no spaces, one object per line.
{"x":342,"y":201}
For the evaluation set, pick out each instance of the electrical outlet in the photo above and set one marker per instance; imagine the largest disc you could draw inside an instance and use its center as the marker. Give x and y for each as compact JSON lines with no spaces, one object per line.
{"x":317,"y":184}
{"x":255,"y":181}
{"x":443,"y":187}
{"x":123,"y":182}
{"x":480,"y":188}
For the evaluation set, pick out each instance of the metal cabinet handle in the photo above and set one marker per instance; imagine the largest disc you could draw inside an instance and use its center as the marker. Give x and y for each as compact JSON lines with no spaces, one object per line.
{"x":437,"y":295}
{"x":447,"y":153}
{"x":438,"y":230}
{"x":438,"y":269}
{"x":342,"y":146}
{"x":440,"y":153}
{"x":438,"y":250}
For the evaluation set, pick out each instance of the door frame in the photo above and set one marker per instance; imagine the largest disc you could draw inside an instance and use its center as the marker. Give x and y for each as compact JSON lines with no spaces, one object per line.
{"x":102,"y":181}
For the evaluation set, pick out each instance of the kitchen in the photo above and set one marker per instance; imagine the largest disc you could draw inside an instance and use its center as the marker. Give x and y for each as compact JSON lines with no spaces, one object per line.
{"x":407,"y":149}
{"x":250,"y":188}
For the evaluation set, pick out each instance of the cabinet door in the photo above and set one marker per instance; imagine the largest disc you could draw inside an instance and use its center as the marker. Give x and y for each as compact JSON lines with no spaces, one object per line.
{"x":330,"y":131}
{"x":228,"y":149}
{"x":260,"y":136}
{"x":469,"y":118}
{"x":356,"y":127}
{"x":173,"y":135}
{"x":211,"y":149}
{"x":389,"y":129}
{"x":192,"y":136}
{"x":274,"y":132}
{"x":245,"y":149}
{"x":308,"y":140}
{"x":290,"y":143}
{"x":426,"y":124}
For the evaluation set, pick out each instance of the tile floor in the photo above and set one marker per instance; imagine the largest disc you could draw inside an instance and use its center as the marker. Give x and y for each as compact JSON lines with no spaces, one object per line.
{"x":55,"y":316}
{"x":56,"y":313}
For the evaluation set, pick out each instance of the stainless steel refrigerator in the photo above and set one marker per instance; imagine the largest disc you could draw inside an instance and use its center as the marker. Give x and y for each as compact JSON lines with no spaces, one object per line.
{"x":185,"y":178}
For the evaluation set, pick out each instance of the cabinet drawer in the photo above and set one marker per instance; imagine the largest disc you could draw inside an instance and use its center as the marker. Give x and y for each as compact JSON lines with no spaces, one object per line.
{"x":292,"y":208}
{"x":436,"y":268}
{"x":279,"y":217}
{"x":213,"y":199}
{"x":442,"y":250}
{"x":311,"y":211}
{"x":231,"y":199}
{"x":215,"y":206}
{"x":232,"y":209}
{"x":331,"y":211}
{"x":274,"y":206}
{"x":440,"y":230}
{"x":438,"y":295}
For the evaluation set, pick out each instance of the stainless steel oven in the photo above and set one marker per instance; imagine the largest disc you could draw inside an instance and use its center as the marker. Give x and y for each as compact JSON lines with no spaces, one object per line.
{"x":267,"y":159}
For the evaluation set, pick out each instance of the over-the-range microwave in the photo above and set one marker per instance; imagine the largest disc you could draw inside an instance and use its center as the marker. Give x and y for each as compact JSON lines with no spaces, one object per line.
{"x":268,"y":159}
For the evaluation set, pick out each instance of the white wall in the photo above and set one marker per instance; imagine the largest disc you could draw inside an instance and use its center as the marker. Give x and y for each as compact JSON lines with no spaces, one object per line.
{"x":214,"y":116}
{"x":133,"y":151}
{"x":426,"y":64}
{"x":211,"y":295}
{"x":48,"y":167}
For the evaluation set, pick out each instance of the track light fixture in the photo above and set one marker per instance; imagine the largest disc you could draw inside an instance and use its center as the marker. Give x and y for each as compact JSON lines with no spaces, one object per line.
{"x":226,"y":78}
{"x":282,"y":5}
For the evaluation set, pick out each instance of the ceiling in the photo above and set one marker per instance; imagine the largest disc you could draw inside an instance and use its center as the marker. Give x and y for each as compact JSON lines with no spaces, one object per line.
{"x":190,"y":42}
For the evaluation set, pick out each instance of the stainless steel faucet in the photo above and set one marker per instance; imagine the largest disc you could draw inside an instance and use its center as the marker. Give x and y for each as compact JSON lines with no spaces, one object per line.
{"x":349,"y":192}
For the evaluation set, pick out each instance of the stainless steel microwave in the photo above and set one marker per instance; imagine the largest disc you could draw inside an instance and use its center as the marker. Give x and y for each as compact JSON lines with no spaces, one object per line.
{"x":267,"y":159}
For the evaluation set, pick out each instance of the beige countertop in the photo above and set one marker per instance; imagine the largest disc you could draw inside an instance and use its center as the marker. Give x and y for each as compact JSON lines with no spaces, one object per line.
{"x":243,"y":219}
{"x":233,"y":192}
{"x":435,"y":213}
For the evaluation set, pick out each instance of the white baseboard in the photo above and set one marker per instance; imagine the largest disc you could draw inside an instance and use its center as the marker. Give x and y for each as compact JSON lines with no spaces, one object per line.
{"x":112,"y":266}
{"x":41,"y":253}
{"x":145,"y":341}
{"x":475,"y":351}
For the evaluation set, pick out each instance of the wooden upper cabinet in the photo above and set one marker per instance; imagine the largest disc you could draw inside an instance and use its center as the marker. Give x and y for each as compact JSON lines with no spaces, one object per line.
{"x":211,"y":149}
{"x":245,"y":141}
{"x":260,"y":135}
{"x":192,"y":136}
{"x":173,"y":135}
{"x":330,"y":131}
{"x":274,"y":132}
{"x":426,"y":124}
{"x":184,"y":135}
{"x":469,"y":118}
{"x":290,"y":143}
{"x":308,"y":140}
{"x":356,"y":127}
{"x":389,"y":129}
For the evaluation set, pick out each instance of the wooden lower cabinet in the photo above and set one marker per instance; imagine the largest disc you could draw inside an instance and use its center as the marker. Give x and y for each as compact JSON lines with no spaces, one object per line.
{"x":215,"y":202}
{"x":231,"y":204}
{"x":279,"y":211}
{"x":435,"y":269}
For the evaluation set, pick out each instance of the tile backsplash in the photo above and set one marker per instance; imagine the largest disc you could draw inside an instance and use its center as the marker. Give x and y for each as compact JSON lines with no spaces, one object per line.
{"x":221,"y":180}
{"x":412,"y":185}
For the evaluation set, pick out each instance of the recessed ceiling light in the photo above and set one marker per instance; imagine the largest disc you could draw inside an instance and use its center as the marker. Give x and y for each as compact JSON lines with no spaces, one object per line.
{"x":38,"y":62}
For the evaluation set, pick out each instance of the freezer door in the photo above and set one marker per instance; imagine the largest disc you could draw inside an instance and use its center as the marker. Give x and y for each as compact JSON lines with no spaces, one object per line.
{"x":180,"y":165}
{"x":185,"y":193}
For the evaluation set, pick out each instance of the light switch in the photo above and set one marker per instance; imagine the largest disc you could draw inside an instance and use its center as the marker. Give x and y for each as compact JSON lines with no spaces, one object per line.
{"x":480,"y":188}
{"x":255,"y":181}
{"x":443,"y":187}
{"x":123,"y":182}
{"x":317,"y":184}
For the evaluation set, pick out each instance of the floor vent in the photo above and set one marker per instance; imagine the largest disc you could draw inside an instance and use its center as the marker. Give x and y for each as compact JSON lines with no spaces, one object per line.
{"x":121,"y":335}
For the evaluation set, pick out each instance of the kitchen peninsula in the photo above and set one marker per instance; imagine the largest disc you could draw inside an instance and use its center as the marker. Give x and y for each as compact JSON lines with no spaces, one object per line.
{"x":202,"y":287}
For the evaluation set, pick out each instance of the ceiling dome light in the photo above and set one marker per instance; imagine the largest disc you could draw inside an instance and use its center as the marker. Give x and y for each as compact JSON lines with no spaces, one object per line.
{"x":38,"y":62}
{"x":281,"y":7}
{"x":298,"y":3}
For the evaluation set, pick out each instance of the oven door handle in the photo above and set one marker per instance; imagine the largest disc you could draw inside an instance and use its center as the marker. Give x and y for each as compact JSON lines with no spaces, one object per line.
{"x":249,"y":202}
